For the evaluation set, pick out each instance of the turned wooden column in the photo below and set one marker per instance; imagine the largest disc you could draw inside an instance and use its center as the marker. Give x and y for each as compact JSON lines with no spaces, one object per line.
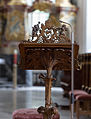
{"x":48,"y":111}
{"x":48,"y":85}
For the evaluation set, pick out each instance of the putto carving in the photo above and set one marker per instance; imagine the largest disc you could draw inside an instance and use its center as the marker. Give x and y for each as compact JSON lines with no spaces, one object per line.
{"x":48,"y":33}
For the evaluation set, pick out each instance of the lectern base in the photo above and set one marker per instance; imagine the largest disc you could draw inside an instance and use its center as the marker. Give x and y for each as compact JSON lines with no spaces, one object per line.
{"x":29,"y":114}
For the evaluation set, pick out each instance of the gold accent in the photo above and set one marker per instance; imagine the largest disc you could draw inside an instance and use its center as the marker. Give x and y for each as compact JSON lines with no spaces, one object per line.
{"x":15,"y":27}
{"x":64,"y":3}
{"x":54,"y":21}
{"x":27,"y":36}
{"x":2,"y":3}
{"x":17,"y":2}
{"x":42,"y":6}
{"x":68,"y":12}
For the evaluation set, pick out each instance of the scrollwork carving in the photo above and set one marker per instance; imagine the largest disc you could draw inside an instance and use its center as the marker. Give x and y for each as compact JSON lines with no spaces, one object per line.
{"x":48,"y":33}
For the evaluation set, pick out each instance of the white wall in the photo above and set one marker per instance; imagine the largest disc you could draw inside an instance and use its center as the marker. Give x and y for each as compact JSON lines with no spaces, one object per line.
{"x":81,"y":26}
{"x":88,"y":31}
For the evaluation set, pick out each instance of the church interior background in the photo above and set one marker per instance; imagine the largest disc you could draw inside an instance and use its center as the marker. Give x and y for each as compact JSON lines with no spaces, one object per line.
{"x":21,"y":88}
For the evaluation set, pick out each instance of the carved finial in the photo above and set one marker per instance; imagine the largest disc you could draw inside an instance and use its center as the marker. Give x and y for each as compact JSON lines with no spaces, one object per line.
{"x":27,"y":36}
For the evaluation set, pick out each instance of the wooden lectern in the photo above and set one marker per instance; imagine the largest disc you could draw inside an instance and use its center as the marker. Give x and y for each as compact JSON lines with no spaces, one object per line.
{"x":48,"y":49}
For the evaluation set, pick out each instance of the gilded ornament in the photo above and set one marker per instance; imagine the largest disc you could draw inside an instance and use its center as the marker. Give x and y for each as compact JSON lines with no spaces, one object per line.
{"x":15,"y":25}
{"x":68,"y":12}
{"x":64,"y":3}
{"x":42,"y":6}
{"x":17,"y":2}
{"x":2,"y":3}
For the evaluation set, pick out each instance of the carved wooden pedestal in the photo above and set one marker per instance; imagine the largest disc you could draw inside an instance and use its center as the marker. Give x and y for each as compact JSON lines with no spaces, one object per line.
{"x":46,"y":57}
{"x":48,"y":111}
{"x":49,"y":49}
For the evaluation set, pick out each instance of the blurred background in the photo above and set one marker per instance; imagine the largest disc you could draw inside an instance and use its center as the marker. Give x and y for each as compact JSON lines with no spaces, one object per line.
{"x":22,"y":88}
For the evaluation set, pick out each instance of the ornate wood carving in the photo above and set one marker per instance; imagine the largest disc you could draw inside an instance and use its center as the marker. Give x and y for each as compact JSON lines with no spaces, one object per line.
{"x":49,"y":48}
{"x":42,"y":53}
{"x":48,"y":33}
{"x":47,"y":41}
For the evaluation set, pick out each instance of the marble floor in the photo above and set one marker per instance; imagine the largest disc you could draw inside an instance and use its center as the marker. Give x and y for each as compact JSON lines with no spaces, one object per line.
{"x":12,"y":99}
